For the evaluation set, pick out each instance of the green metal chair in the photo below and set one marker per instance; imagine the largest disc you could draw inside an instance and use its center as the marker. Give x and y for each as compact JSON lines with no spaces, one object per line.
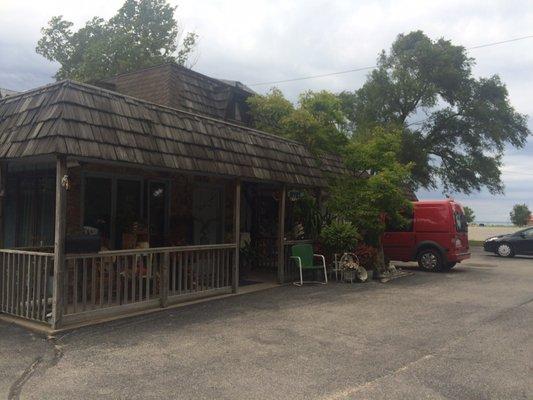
{"x":303,"y":255}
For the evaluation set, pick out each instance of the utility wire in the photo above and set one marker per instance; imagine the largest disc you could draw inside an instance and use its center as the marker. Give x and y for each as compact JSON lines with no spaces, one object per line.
{"x":315,"y":76}
{"x":374,"y":66}
{"x":502,"y":42}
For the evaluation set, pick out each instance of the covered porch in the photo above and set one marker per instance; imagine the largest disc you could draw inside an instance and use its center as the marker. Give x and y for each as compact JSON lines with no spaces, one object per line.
{"x":85,"y":240}
{"x":112,"y":204}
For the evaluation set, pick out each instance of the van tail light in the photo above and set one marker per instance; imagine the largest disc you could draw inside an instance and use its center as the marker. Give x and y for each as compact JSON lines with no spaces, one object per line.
{"x":457,"y":243}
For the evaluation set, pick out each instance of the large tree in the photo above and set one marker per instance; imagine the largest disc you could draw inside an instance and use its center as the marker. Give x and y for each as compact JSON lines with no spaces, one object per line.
{"x":143,"y":33}
{"x":454,"y":127}
{"x":469,"y":214}
{"x":317,"y":120}
{"x":373,"y":193}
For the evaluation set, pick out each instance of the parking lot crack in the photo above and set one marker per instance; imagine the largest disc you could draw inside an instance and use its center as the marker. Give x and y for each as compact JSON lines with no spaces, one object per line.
{"x":16,"y":387}
{"x":350,"y":392}
{"x":39,"y":365}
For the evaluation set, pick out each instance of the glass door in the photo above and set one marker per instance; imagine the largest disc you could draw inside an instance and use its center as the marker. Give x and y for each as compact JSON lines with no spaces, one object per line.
{"x":98,"y":207}
{"x":208,"y":214}
{"x":113,"y":206}
{"x":128,"y":213}
{"x":158,"y":211}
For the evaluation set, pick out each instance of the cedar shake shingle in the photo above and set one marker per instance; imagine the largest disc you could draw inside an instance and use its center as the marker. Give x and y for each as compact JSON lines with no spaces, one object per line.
{"x":89,"y":122}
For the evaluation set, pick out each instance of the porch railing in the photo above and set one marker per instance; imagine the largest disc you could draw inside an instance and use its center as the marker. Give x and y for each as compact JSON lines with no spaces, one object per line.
{"x":267,"y":253}
{"x":112,"y":281}
{"x":26,"y":284}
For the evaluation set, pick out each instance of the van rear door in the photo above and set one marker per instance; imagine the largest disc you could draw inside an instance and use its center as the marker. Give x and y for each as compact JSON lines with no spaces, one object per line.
{"x":399,"y":242}
{"x":461,"y":229}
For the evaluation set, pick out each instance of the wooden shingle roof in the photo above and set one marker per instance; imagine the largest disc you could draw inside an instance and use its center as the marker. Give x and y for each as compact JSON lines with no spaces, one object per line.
{"x":6,"y":92}
{"x":84,"y":121}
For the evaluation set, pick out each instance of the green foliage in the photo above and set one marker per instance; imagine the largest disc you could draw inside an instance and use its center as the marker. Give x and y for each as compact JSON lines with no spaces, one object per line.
{"x":469,"y":214}
{"x":307,"y":214}
{"x":469,"y":121}
{"x":143,"y":33}
{"x":339,"y":237}
{"x":248,"y":257}
{"x":270,"y":111}
{"x":367,"y":256}
{"x":374,"y":192}
{"x":520,"y":214}
{"x":317,"y":120}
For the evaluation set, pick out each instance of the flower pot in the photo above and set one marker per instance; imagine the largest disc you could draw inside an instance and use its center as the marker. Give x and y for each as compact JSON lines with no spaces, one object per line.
{"x":352,"y":270}
{"x":349,"y":275}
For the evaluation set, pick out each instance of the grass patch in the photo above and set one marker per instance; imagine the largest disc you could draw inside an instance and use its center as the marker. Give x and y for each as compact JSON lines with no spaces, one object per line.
{"x":475,"y":242}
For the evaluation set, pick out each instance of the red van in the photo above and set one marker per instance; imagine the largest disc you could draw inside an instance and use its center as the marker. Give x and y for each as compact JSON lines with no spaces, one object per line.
{"x":437,"y":237}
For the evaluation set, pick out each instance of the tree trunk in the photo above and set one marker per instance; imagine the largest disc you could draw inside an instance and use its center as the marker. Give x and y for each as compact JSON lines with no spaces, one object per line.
{"x":381,"y":266}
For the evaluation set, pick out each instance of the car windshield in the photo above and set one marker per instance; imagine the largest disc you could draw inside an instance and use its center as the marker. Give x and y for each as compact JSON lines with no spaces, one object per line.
{"x":460,"y":222}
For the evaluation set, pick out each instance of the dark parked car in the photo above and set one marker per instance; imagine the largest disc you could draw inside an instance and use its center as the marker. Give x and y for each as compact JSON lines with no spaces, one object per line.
{"x":520,"y":242}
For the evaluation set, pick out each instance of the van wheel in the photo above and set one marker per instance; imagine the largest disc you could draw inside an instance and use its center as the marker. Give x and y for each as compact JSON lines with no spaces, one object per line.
{"x":430,"y":260}
{"x":505,"y":250}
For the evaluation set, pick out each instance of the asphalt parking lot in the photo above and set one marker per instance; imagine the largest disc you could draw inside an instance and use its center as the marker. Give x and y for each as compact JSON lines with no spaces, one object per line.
{"x":466,"y":334}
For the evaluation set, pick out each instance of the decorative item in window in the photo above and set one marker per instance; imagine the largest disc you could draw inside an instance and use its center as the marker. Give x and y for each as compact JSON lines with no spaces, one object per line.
{"x":65,"y":182}
{"x":295,"y":195}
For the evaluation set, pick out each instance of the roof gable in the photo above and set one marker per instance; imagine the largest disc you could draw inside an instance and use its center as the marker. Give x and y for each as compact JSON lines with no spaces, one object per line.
{"x":178,"y":87}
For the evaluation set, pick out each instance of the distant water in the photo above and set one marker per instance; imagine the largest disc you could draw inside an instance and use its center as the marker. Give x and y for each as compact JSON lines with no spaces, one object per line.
{"x":494,"y":223}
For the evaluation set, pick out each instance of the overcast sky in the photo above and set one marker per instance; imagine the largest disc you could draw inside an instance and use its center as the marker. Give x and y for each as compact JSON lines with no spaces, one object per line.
{"x":269,"y":40}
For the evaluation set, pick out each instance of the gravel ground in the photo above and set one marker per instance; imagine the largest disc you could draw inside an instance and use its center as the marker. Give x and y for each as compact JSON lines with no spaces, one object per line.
{"x":466,"y":334}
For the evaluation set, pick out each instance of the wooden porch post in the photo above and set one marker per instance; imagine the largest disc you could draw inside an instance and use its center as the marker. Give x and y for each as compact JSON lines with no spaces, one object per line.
{"x":59,"y":243}
{"x":3,"y":181}
{"x":165,"y":278}
{"x":281,"y":235}
{"x":237,"y":235}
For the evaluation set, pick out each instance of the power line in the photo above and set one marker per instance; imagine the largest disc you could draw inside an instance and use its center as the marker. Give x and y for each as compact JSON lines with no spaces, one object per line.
{"x":314,"y":76}
{"x":502,"y":42}
{"x":374,"y":66}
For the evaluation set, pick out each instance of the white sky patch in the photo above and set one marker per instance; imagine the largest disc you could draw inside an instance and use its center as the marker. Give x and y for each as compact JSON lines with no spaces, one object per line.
{"x":266,"y":40}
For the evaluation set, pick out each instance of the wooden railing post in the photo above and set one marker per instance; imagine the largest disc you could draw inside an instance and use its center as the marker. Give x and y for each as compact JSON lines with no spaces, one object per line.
{"x":165,"y":279}
{"x":59,"y":243}
{"x":3,"y":267}
{"x":237,"y":236}
{"x":281,"y":235}
{"x":3,"y":182}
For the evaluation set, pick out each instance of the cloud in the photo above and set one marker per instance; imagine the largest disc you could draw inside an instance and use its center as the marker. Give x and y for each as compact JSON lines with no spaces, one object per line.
{"x":266,"y":40}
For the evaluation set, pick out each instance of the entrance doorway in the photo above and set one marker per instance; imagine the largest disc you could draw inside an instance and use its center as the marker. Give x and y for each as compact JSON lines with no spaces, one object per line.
{"x":158,"y":211}
{"x":259,"y":233}
{"x":208,"y":215}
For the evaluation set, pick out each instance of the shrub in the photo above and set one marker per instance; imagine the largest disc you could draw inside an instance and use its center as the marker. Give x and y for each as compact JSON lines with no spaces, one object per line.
{"x":367,"y":255}
{"x":339,"y":237}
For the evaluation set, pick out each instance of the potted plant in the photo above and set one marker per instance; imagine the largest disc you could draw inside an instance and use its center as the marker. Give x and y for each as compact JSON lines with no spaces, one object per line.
{"x":338,"y":238}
